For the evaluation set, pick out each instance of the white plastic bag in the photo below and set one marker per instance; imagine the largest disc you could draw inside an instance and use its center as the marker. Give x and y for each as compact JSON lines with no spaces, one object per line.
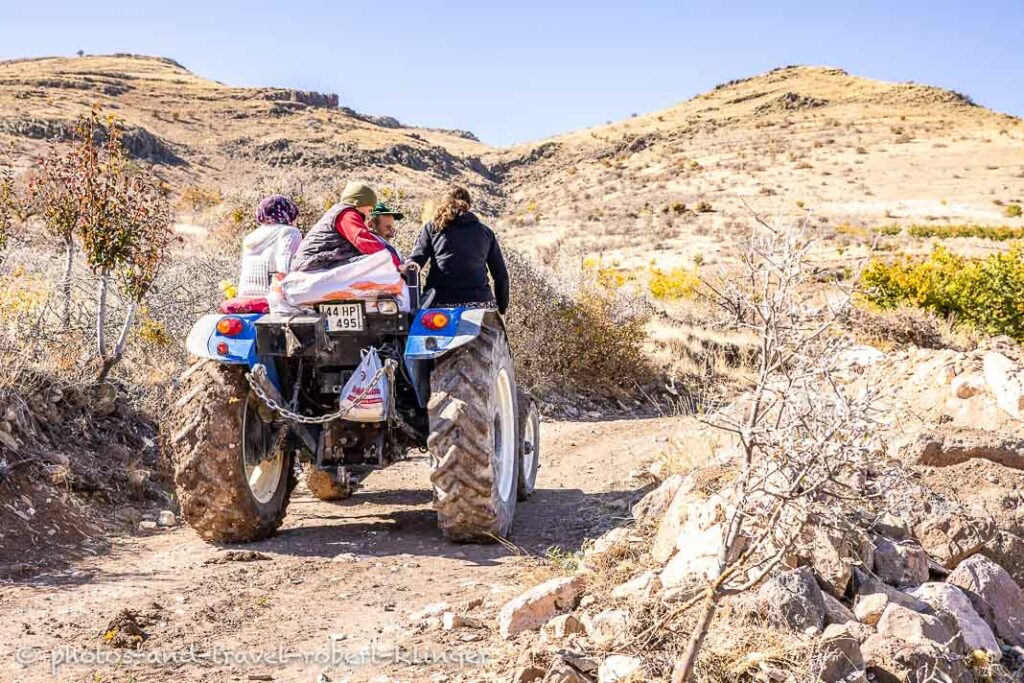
{"x":365,"y":279}
{"x":367,"y":405}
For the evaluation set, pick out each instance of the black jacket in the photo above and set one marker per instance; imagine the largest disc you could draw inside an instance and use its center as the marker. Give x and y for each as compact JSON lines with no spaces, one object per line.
{"x":460,"y":257}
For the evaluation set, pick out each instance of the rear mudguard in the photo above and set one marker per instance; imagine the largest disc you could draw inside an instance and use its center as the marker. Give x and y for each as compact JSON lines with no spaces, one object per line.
{"x":463,"y":327}
{"x":205,"y":341}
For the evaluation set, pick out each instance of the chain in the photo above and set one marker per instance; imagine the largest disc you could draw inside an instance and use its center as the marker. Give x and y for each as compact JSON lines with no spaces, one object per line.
{"x":259,"y":373}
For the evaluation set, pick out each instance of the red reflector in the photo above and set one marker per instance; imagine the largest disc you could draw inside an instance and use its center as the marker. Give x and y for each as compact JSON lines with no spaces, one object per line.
{"x":229,"y":327}
{"x":222,"y":349}
{"x":434,"y":320}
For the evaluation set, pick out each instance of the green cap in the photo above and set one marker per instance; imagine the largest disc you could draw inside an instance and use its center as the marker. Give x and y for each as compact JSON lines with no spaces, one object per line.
{"x":358,"y":194}
{"x":382,"y":209}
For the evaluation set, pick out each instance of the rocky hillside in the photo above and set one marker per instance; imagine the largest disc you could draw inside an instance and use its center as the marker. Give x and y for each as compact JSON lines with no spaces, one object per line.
{"x":794,"y":142}
{"x":203,"y":132}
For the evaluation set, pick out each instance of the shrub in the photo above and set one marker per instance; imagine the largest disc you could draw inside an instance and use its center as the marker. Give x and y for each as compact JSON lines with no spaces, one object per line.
{"x":196,"y":198}
{"x":990,"y":232}
{"x":677,"y":283}
{"x":1013,"y":211}
{"x":987,"y":294}
{"x":577,"y":334}
{"x":704,"y":207}
{"x":900,"y":326}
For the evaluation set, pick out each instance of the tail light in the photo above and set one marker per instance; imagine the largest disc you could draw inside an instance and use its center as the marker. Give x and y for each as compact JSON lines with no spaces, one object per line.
{"x":434,"y":320}
{"x":230,"y":326}
{"x":222,"y":348}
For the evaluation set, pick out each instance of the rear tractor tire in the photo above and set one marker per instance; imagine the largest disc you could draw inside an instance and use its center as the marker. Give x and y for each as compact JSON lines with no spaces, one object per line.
{"x":528,"y":442}
{"x":472,"y":442}
{"x":211,"y":431}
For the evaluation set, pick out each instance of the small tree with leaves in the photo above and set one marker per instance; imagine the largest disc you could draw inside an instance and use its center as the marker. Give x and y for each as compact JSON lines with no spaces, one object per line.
{"x":116,"y":211}
{"x":10,"y":210}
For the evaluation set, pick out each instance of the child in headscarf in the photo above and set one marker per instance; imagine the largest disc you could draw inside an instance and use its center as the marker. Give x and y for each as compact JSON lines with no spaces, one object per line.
{"x":267,"y":253}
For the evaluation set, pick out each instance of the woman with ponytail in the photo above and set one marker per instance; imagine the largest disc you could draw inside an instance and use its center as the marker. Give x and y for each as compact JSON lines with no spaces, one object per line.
{"x":462,"y":251}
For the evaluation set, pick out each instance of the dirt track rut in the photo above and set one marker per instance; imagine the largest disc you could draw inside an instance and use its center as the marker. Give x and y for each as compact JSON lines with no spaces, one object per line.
{"x":334,"y":597}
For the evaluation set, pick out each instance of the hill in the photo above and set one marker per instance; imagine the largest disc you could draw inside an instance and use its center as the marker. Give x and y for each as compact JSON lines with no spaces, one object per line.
{"x":792,"y":142}
{"x":200,"y":131}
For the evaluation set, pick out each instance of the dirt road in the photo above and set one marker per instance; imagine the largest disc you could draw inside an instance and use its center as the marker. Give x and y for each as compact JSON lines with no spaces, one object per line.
{"x":335,"y":596}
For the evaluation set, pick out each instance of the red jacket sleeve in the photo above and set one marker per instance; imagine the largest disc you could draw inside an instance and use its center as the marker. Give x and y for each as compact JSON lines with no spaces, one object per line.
{"x":351,"y":226}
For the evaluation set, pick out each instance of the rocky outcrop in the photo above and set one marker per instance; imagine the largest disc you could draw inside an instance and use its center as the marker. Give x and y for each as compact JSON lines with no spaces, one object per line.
{"x":994,"y":595}
{"x":537,"y":606}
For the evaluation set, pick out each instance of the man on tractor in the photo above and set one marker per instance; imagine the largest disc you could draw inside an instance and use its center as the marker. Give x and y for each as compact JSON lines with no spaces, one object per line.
{"x":383,"y":221}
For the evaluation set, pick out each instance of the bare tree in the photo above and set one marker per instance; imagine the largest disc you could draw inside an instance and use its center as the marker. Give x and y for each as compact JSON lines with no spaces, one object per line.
{"x":803,"y":443}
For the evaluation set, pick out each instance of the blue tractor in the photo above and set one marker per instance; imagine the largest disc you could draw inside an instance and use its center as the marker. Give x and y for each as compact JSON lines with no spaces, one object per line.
{"x":264,"y":394}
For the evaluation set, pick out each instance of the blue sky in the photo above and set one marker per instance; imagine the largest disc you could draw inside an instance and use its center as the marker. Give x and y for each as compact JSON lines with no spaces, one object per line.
{"x":516,"y":71}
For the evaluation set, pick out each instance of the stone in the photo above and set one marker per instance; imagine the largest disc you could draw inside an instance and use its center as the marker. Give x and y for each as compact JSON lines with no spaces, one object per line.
{"x":698,"y":559}
{"x":868,"y":585}
{"x":948,"y":445}
{"x":535,"y":607}
{"x":994,"y":595}
{"x":953,"y":536}
{"x":891,"y":660}
{"x":968,"y":385}
{"x":1005,"y":381}
{"x":656,"y":502}
{"x":562,"y":626}
{"x":916,"y":628}
{"x":664,"y":544}
{"x":560,"y":672}
{"x":859,"y":357}
{"x":840,"y":656}
{"x":608,"y":626}
{"x":451,"y":621}
{"x":945,"y":375}
{"x":829,"y":554}
{"x":835,"y":611}
{"x":951,"y":599}
{"x":891,"y":526}
{"x":619,"y":668}
{"x":607,"y":541}
{"x":434,"y":609}
{"x":644,"y":586}
{"x":166,"y":519}
{"x":868,"y":609}
{"x":900,"y":563}
{"x":147,"y":525}
{"x":793,"y":599}
{"x":527,"y":674}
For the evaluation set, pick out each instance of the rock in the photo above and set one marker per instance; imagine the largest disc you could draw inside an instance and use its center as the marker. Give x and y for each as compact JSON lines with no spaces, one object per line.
{"x":900,"y":563}
{"x":607,"y":541}
{"x":840,"y":656}
{"x":535,"y":607}
{"x":859,"y":357}
{"x":835,"y":611}
{"x":916,"y":628}
{"x":968,"y":385}
{"x":166,"y":519}
{"x":1004,"y":380}
{"x":642,"y":587}
{"x":868,"y":585}
{"x":434,"y":609}
{"x":891,"y":526}
{"x":605,"y":628}
{"x":560,"y":672}
{"x":793,"y":599}
{"x":664,"y":544}
{"x":868,"y":609}
{"x":951,"y":599}
{"x":829,"y":554}
{"x":561,"y":626}
{"x":891,"y":660}
{"x":656,"y":502}
{"x":451,"y":621}
{"x":619,"y":668}
{"x":952,"y":537}
{"x":527,"y":674}
{"x":948,"y":445}
{"x":994,"y":595}
{"x":698,"y":559}
{"x":945,"y":375}
{"x":147,"y":525}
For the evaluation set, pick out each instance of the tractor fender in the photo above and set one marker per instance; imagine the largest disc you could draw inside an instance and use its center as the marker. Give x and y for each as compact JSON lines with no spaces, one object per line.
{"x":205,"y":341}
{"x":463,"y":327}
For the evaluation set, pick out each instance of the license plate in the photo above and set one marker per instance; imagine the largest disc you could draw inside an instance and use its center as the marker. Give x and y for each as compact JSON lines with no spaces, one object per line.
{"x":343,"y":317}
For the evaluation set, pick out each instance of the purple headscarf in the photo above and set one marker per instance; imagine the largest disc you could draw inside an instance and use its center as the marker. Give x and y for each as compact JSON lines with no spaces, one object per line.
{"x":277,"y":209}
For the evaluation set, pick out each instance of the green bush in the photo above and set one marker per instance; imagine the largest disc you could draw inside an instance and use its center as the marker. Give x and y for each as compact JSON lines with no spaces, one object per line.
{"x":1000,"y":233}
{"x":987,"y":294}
{"x":1014,"y":211}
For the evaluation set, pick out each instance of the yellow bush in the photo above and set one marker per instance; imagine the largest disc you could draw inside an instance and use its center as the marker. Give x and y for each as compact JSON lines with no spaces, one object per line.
{"x":22,"y":293}
{"x":677,"y":283}
{"x":1014,"y":211}
{"x":987,"y":294}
